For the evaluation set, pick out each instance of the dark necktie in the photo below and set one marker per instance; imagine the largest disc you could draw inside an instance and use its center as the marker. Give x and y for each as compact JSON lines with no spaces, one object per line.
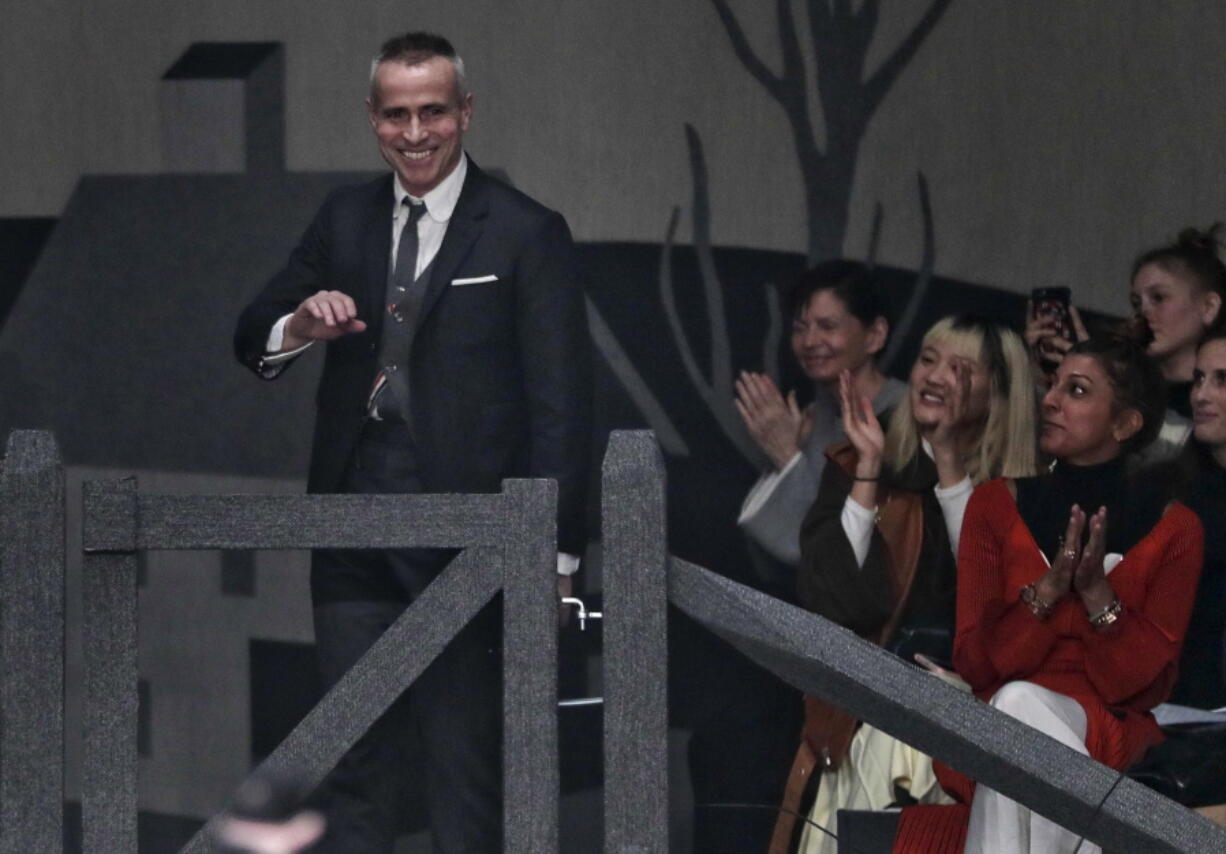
{"x":390,"y":394}
{"x":400,"y":294}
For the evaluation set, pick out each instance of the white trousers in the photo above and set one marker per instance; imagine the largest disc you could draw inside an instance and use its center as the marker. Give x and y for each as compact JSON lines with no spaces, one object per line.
{"x":1003,"y":826}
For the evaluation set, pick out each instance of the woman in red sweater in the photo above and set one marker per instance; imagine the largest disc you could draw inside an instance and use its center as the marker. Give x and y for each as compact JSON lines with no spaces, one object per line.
{"x":1074,"y":591}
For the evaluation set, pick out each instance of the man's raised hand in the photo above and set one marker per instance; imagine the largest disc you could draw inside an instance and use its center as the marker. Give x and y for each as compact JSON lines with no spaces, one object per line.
{"x":322,"y":317}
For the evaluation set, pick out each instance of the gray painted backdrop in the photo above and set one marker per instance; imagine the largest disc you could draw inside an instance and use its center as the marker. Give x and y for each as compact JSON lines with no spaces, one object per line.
{"x":1058,"y":136}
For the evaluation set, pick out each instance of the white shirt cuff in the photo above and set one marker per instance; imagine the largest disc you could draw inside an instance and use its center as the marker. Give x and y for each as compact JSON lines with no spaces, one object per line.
{"x":858,"y":524}
{"x":953,"y":507}
{"x":567,"y":564}
{"x":276,"y":337}
{"x":764,"y":488}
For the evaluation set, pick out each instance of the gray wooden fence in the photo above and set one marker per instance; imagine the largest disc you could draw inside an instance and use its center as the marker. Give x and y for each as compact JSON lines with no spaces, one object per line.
{"x":509,"y":545}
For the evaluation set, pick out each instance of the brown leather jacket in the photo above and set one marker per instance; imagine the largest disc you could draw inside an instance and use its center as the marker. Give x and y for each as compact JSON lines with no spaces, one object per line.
{"x":828,"y":729}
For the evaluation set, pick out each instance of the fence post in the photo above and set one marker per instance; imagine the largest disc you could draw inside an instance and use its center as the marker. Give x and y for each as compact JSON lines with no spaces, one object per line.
{"x":530,"y":669}
{"x":635,"y":646}
{"x":32,"y":546}
{"x":109,"y":633}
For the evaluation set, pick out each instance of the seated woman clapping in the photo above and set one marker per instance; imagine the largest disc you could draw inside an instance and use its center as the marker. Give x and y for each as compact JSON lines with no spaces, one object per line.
{"x":839,"y":324}
{"x":1074,"y":590}
{"x":876,"y":546}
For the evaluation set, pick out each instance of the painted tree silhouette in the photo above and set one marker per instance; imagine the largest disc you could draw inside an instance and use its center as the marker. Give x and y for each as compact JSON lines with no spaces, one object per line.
{"x":715,"y":391}
{"x":840,"y":38}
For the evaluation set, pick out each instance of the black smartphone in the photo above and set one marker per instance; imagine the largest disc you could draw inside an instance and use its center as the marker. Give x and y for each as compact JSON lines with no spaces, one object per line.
{"x":1054,"y":303}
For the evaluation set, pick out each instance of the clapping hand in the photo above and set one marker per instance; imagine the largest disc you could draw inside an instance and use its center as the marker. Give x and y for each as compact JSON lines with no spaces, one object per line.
{"x":776,"y":423}
{"x":862,"y":428}
{"x":1078,"y":568}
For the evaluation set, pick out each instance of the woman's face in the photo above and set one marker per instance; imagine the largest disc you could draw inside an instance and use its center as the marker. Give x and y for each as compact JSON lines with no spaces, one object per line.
{"x":1080,"y":423}
{"x":828,"y":339}
{"x":1209,"y":395}
{"x":1176,"y":309}
{"x":933,"y":380}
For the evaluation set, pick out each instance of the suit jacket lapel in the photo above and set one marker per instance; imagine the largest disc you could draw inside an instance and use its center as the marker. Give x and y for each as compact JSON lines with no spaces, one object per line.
{"x":377,"y":252}
{"x":463,"y":229}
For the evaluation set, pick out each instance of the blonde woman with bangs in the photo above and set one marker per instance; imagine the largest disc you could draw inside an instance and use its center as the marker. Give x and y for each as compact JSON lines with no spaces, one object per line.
{"x":878,"y":546}
{"x":989,"y":447}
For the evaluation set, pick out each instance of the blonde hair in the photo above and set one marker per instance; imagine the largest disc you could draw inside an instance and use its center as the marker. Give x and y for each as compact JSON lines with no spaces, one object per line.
{"x":1005,"y":446}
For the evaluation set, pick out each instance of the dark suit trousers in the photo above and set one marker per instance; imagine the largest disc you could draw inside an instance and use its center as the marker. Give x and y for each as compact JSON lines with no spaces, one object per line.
{"x":452,"y":714}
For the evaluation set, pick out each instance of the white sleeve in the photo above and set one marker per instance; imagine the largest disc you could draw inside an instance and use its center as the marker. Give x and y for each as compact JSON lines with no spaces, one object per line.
{"x":953,"y":507}
{"x":276,"y":336}
{"x":567,"y":564}
{"x":858,"y":523}
{"x":775,"y":507}
{"x":764,"y":489}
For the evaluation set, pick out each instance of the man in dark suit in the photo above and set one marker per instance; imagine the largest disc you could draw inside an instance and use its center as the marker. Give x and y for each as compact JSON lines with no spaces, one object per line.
{"x":457,"y":356}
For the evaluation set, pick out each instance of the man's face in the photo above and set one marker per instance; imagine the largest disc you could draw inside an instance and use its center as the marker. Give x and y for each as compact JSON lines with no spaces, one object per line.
{"x":419,"y":118}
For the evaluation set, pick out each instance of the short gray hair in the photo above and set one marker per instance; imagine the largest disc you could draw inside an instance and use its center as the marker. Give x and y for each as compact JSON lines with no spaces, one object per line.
{"x":416,"y":48}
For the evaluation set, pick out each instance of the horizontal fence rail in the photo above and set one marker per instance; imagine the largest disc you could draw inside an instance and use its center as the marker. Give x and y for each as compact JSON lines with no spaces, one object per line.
{"x":288,"y":521}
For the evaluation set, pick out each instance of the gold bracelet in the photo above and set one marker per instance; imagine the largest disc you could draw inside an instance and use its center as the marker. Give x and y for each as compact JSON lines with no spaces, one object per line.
{"x":1107,"y":615}
{"x":1030,"y":596}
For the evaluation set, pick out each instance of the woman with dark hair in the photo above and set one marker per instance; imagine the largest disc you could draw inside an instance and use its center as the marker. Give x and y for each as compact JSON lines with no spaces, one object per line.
{"x":839,"y":323}
{"x":1177,"y":292}
{"x":878,"y":544}
{"x":1074,"y":590}
{"x":1202,"y":667}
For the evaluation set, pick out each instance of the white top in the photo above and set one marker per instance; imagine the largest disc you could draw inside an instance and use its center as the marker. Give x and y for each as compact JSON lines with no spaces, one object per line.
{"x":858,"y":520}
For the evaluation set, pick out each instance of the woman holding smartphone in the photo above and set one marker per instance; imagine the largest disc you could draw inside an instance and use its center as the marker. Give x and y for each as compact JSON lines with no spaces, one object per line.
{"x":1176,"y":294}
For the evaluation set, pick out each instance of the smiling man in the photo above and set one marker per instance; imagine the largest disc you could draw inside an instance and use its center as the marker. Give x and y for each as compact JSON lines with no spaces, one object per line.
{"x":419,"y":113}
{"x":457,"y":356}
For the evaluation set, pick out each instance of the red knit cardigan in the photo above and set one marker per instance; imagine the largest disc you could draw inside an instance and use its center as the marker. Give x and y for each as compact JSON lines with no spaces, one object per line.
{"x":1117,"y":674}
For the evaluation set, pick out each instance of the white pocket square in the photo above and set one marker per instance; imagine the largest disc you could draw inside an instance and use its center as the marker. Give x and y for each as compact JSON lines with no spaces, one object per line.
{"x":475,"y":280}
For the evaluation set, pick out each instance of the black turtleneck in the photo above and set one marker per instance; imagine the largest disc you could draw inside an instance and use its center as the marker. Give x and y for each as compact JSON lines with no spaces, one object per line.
{"x":1202,"y":667}
{"x":1045,"y":502}
{"x":1179,"y":397}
